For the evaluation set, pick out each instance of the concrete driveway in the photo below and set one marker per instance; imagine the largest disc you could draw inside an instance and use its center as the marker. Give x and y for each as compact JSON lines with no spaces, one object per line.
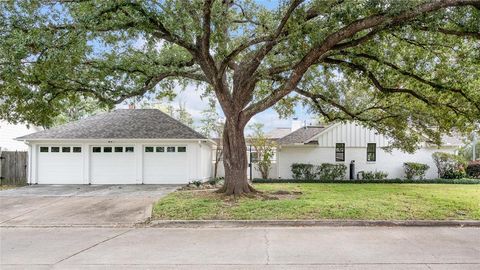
{"x":79,"y":205}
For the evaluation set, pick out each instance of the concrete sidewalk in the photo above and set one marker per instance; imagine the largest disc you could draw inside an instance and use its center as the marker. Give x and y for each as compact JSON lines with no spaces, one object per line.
{"x":241,"y":248}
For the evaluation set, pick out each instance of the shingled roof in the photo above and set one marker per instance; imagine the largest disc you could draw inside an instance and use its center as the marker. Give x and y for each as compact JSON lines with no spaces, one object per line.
{"x":301,"y":135}
{"x":121,"y":124}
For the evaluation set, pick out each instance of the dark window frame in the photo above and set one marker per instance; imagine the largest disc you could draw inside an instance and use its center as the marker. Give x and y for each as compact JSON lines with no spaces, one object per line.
{"x":44,"y":148}
{"x":374,"y":152}
{"x":340,"y":149}
{"x":107,"y":147}
{"x":149,"y":149}
{"x":184,"y":149}
{"x":128,"y":148}
{"x":57,"y":149}
{"x":67,"y":148}
{"x":96,"y":148}
{"x":118,"y":149}
{"x":160,"y":149}
{"x":171,"y":148}
{"x":76,"y":149}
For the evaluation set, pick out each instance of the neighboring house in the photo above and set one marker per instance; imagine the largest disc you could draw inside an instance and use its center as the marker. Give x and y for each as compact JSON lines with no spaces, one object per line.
{"x":346,"y":142}
{"x":8,"y":133}
{"x":121,"y":147}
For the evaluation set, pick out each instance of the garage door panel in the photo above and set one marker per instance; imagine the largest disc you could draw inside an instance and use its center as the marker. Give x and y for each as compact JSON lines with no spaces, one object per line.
{"x":165,"y":168}
{"x":112,"y":168}
{"x":60,"y":167}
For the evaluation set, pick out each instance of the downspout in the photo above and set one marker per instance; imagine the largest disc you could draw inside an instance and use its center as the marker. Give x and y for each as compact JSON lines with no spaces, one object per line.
{"x":474,"y":146}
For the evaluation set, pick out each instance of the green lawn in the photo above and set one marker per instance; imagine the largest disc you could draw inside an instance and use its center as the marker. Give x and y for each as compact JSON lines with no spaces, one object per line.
{"x":329,"y":201}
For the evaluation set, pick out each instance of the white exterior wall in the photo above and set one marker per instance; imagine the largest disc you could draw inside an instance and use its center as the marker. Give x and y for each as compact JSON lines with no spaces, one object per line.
{"x":392,"y":163}
{"x":355,"y":138}
{"x":8,"y":132}
{"x":196,"y":164}
{"x":204,"y":165}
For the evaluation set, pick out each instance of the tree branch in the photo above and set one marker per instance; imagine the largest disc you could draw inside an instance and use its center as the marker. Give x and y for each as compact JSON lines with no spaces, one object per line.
{"x":318,"y":52}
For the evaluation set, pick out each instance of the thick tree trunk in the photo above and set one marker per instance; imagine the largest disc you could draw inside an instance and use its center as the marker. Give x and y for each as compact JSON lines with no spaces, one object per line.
{"x":235,"y":160}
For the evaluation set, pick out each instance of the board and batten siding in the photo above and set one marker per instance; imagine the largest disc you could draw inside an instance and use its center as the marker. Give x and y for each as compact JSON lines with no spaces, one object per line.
{"x":353,"y":135}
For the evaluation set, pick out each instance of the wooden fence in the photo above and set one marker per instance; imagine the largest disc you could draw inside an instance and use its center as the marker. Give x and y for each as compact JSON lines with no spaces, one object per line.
{"x":13,"y":168}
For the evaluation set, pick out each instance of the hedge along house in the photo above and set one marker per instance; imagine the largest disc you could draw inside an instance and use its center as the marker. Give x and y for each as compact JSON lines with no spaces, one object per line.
{"x":342,"y":143}
{"x":143,"y":146}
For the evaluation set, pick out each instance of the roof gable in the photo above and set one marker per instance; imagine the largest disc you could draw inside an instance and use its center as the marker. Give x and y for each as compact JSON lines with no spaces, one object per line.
{"x":121,"y":124}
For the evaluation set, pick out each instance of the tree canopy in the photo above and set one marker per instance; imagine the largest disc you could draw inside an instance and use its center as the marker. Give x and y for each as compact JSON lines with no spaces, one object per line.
{"x":401,"y":67}
{"x":408,"y":68}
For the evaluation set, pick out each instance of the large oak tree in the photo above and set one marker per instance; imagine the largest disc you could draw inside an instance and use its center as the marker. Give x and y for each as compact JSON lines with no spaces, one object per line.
{"x":408,"y":68}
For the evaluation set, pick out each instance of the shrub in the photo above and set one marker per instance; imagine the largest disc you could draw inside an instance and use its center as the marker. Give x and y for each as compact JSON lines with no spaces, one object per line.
{"x":449,"y":166}
{"x":376,"y":175}
{"x":365,"y":181}
{"x":455,"y":174}
{"x":197,"y":183}
{"x":303,"y":171}
{"x":473,"y":169}
{"x":327,"y":171}
{"x":415,"y":170}
{"x":215,"y":180}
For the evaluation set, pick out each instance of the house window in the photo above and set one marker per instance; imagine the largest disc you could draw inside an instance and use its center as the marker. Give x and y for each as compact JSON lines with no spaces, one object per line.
{"x":160,"y":149}
{"x":340,"y":152}
{"x":149,"y":149}
{"x":181,"y":149}
{"x":55,"y":149}
{"x":77,"y":149}
{"x":371,"y":152}
{"x":96,"y":149}
{"x":44,"y":149}
{"x":129,"y":149}
{"x":66,"y":149}
{"x":171,"y":149}
{"x":107,"y":149}
{"x":118,"y":149}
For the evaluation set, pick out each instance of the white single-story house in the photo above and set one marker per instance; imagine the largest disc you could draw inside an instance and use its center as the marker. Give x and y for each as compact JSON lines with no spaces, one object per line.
{"x":342,"y":143}
{"x":142,"y":146}
{"x":346,"y":142}
{"x":8,"y":133}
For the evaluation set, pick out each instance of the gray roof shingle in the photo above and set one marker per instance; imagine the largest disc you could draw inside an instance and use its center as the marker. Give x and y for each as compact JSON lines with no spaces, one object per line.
{"x":121,"y":124}
{"x":301,"y":135}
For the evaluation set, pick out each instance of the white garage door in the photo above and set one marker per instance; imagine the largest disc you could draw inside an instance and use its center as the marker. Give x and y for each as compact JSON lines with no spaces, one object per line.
{"x":166,"y":164}
{"x":60,"y":165}
{"x":112,"y":165}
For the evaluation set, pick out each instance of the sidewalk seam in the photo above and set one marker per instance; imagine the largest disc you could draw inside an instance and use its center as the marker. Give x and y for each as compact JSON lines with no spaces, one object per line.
{"x":92,"y":246}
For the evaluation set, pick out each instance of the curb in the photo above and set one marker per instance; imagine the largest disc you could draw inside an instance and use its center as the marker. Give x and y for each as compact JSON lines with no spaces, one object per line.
{"x":310,"y":223}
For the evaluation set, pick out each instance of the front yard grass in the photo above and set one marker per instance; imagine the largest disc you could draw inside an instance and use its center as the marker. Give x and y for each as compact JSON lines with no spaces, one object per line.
{"x":328,"y":201}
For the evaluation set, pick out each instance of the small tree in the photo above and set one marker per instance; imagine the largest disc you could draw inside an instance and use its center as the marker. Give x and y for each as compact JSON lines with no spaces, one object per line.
{"x":449,"y":166}
{"x":212,"y":127}
{"x":265,"y":149}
